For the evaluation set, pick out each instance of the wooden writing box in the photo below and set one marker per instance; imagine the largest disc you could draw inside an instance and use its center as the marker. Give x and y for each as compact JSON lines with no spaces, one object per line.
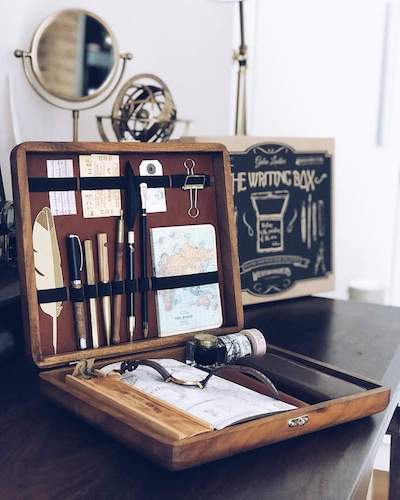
{"x":168,"y":437}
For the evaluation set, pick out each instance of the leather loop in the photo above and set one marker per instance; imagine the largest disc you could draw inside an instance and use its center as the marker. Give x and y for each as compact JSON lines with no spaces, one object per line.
{"x":131,"y":286}
{"x":104,"y":289}
{"x":52,"y":295}
{"x":90,"y":291}
{"x":144,"y":285}
{"x":76,"y":294}
{"x":117,"y":287}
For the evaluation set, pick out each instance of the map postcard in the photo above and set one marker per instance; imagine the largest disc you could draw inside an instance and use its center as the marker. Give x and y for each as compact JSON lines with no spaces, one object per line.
{"x":179,"y":251}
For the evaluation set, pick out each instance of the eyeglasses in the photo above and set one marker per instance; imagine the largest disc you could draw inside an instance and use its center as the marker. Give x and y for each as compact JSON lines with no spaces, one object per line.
{"x":131,"y":365}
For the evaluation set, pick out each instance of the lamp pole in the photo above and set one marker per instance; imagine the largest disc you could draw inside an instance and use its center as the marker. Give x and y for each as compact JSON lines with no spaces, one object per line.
{"x":240,"y":56}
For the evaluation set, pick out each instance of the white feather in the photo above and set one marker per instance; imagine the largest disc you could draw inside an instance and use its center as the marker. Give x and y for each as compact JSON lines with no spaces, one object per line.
{"x":48,"y":271}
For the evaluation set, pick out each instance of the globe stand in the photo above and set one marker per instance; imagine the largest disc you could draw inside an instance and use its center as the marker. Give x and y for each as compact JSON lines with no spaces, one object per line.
{"x":143,"y":111}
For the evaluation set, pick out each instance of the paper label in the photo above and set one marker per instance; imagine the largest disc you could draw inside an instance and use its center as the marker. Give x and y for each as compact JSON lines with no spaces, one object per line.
{"x":100,"y":202}
{"x":61,"y":202}
{"x":156,"y":201}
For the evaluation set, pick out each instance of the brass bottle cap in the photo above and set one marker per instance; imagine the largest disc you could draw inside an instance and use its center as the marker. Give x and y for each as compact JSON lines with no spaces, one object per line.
{"x":206,"y":340}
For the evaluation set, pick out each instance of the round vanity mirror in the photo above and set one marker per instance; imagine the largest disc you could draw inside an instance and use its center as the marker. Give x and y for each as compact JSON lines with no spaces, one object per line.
{"x":74,"y":55}
{"x":74,"y":62}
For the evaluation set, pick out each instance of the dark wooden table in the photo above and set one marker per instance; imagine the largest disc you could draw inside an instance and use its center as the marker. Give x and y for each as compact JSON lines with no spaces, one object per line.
{"x":46,"y":453}
{"x":9,"y":285}
{"x":9,"y":311}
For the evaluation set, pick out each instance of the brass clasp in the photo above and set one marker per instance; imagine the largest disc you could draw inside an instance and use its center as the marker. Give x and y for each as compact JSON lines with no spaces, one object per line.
{"x":298,"y":421}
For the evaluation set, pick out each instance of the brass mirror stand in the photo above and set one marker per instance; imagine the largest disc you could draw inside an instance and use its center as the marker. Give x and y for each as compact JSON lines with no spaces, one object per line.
{"x":75,"y":107}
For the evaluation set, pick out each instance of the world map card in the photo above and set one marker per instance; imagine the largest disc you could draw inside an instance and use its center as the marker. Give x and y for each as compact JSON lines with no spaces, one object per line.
{"x":178,"y":251}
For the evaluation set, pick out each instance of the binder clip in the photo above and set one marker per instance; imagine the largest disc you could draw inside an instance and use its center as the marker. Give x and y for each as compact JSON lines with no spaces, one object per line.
{"x":193,"y":183}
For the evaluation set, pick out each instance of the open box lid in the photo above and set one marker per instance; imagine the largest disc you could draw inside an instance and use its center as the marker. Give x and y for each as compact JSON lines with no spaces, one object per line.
{"x":216,"y":207}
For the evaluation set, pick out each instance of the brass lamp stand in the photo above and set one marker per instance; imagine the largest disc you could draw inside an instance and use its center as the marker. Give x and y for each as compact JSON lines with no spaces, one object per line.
{"x":240,"y":56}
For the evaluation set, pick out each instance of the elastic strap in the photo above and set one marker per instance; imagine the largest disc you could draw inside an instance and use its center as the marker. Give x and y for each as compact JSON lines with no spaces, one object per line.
{"x":76,"y":294}
{"x":117,"y":287}
{"x":90,"y":291}
{"x":127,"y":286}
{"x":131,"y":286}
{"x":104,"y":289}
{"x":46,"y":184}
{"x":52,"y":295}
{"x":188,"y":280}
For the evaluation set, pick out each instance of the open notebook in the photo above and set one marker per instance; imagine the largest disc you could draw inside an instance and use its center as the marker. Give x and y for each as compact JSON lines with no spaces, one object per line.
{"x":221,"y":403}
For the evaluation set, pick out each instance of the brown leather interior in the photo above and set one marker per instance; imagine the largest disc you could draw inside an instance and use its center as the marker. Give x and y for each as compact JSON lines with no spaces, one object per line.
{"x":177,"y":206}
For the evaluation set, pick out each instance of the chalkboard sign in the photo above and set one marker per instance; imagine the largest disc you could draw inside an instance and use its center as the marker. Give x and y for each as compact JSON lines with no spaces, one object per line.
{"x":283,"y":199}
{"x":283,"y":211}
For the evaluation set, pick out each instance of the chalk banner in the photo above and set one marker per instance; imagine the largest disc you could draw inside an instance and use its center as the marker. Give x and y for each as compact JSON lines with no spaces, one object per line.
{"x":283,"y":215}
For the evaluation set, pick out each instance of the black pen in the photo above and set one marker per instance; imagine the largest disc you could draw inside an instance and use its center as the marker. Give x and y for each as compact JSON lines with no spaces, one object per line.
{"x":143,"y":242}
{"x":75,"y":263}
{"x":130,"y":274}
{"x":131,"y":210}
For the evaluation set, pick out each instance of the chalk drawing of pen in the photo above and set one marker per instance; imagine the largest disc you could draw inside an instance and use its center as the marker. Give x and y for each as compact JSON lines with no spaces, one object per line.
{"x":309,"y":205}
{"x":321,"y":218}
{"x":314,"y":221}
{"x":303,"y":220}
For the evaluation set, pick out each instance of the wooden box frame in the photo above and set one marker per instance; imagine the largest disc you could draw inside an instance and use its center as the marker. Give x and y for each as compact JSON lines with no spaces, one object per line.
{"x":226,"y":233}
{"x":123,"y":424}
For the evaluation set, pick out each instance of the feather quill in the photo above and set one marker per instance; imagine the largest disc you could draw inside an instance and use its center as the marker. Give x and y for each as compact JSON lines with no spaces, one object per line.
{"x":47,"y":260}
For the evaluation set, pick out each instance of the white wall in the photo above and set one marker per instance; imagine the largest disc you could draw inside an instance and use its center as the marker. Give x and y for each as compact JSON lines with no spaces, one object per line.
{"x":188,"y":43}
{"x":315,"y":70}
{"x":317,"y":73}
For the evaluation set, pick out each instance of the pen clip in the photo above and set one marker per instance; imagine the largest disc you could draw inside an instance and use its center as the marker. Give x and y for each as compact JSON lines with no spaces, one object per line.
{"x":80,"y":254}
{"x":143,"y":195}
{"x":80,"y":250}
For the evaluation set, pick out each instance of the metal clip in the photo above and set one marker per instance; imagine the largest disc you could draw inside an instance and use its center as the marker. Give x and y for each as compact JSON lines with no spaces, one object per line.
{"x":192,"y":184}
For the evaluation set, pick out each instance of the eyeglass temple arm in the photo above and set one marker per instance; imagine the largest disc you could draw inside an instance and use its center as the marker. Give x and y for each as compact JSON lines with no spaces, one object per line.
{"x":129,"y":366}
{"x":247,"y":370}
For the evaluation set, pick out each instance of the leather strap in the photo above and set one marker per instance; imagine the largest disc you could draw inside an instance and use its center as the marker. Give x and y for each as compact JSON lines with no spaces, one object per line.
{"x":127,"y":286}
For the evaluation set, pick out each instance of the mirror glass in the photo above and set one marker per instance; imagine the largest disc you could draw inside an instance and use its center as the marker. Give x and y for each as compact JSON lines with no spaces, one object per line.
{"x":74,"y":55}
